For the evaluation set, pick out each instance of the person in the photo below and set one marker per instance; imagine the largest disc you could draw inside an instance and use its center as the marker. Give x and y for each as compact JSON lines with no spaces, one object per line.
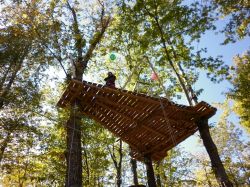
{"x":110,"y":80}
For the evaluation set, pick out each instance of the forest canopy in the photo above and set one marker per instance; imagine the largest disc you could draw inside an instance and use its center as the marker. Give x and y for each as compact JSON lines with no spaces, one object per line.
{"x":153,"y":47}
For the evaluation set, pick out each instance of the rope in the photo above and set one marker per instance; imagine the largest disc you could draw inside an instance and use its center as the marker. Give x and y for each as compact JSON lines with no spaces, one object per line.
{"x":159,"y":80}
{"x":170,"y":128}
{"x":161,"y":103}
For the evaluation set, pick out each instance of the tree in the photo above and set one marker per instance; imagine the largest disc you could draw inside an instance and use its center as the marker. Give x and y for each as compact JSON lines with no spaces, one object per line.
{"x":38,"y":36}
{"x":175,"y":169}
{"x":115,"y":152}
{"x":240,"y":93}
{"x":238,"y":26}
{"x":19,"y":93}
{"x":73,"y":153}
{"x":163,"y":42}
{"x":232,"y":148}
{"x":96,"y":162}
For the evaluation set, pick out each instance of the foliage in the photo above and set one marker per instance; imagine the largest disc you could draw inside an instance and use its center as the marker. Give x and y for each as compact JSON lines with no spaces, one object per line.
{"x":40,"y":36}
{"x":241,"y":88}
{"x":175,"y":169}
{"x":148,"y":29}
{"x":95,"y":154}
{"x":233,"y":150}
{"x":238,"y":14}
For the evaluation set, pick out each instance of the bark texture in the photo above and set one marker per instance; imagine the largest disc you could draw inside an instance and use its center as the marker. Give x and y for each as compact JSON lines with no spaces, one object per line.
{"x":117,"y":162}
{"x":212,"y":151}
{"x":73,"y":152}
{"x":134,"y":171}
{"x":150,"y":171}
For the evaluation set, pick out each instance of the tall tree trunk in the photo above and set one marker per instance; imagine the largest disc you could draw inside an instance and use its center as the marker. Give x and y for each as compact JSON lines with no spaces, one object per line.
{"x":3,"y":78}
{"x":150,"y":171}
{"x":203,"y":127}
{"x":4,"y":145}
{"x":134,"y":171}
{"x":212,"y":151}
{"x":74,"y":148}
{"x":87,"y":166}
{"x":73,"y":152}
{"x":6,"y":90}
{"x":119,"y":168}
{"x":117,"y":162}
{"x":171,"y":63}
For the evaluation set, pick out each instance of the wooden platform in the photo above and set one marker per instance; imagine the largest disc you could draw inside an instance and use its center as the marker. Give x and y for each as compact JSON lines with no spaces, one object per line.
{"x":137,"y":119}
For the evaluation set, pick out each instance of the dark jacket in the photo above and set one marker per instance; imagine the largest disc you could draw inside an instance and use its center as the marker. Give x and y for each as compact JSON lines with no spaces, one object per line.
{"x":110,"y":80}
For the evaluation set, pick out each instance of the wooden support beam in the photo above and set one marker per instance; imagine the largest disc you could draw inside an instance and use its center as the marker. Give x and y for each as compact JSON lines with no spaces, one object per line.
{"x":154,"y":131}
{"x":143,"y":110}
{"x":169,"y":124}
{"x":140,"y":123}
{"x":132,"y":121}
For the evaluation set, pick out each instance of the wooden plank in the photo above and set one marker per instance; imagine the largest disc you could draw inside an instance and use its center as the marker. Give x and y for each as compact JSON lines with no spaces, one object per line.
{"x":122,"y":123}
{"x":114,"y":111}
{"x":170,"y":145}
{"x":98,"y":120}
{"x":112,"y":90}
{"x":109,"y":102}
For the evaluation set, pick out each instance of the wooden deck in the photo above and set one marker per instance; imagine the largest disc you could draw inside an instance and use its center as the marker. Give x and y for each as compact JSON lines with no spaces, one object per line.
{"x":149,"y":125}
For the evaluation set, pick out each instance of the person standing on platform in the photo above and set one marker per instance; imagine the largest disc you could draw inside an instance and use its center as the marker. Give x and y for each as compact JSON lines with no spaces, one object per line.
{"x":110,"y":80}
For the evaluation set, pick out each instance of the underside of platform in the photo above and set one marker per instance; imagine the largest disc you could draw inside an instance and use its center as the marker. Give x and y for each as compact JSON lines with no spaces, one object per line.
{"x":151,"y":126}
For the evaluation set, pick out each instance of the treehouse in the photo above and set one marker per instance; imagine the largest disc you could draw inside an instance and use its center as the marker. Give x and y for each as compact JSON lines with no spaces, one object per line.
{"x":151,"y":126}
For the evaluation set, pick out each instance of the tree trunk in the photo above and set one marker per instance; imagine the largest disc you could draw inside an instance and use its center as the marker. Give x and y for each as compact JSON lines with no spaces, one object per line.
{"x":171,"y":63}
{"x":87,"y":166}
{"x":5,"y":91}
{"x":4,"y":77}
{"x":212,"y":151}
{"x":4,"y":145}
{"x":134,"y":171}
{"x":117,"y":162}
{"x":118,"y":178}
{"x":73,"y":152}
{"x":119,"y":167}
{"x":150,"y":171}
{"x":203,"y":127}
